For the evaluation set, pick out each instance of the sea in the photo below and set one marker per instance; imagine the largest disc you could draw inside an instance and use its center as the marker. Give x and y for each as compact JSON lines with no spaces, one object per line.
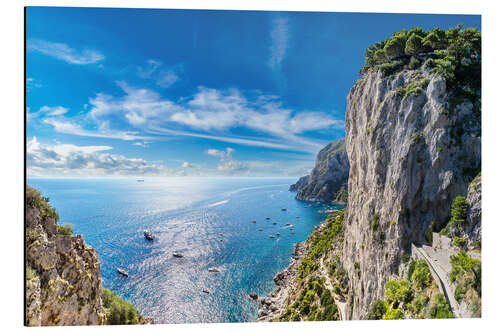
{"x":207,"y":220}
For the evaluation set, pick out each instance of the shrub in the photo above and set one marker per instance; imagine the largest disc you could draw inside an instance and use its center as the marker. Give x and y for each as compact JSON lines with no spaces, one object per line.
{"x":421,"y":275}
{"x":119,"y":311}
{"x":459,"y":242}
{"x":390,"y":67}
{"x":395,"y":46}
{"x":330,"y":313}
{"x":462,"y":263}
{"x":439,"y":308}
{"x":36,"y":200}
{"x":405,"y":258}
{"x":418,"y":304}
{"x":459,"y":293}
{"x":66,"y":229}
{"x":326,"y":298}
{"x":411,"y":268}
{"x":414,"y":63}
{"x":398,"y":291}
{"x":459,"y":211}
{"x":393,"y":314}
{"x":414,"y":45}
{"x":378,"y":310}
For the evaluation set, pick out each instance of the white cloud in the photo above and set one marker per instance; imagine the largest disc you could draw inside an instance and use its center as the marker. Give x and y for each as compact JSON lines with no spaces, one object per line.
{"x":185,"y":165}
{"x":208,"y":113}
{"x":47,"y":111}
{"x":64,"y":52}
{"x":280,"y":34}
{"x":143,"y":144}
{"x":68,"y":127}
{"x":71,"y":160}
{"x":167,"y":78}
{"x":138,"y":106}
{"x":227,"y":165}
{"x":154,"y":70}
{"x":53,"y":111}
{"x":31,"y":83}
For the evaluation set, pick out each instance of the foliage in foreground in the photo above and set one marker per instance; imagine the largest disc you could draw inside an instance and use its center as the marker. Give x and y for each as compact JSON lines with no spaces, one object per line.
{"x":118,"y":311}
{"x":416,"y":297}
{"x":466,"y":274}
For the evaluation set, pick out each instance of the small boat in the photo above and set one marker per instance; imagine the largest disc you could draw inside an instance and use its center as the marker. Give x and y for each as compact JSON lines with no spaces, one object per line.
{"x":288,"y":223}
{"x":221,"y":234}
{"x":268,"y":218}
{"x":206,"y":291}
{"x":271,"y":236}
{"x":275,"y":223}
{"x":260,"y":229}
{"x":283,"y":209}
{"x":213,"y":270}
{"x":140,"y":180}
{"x":277,"y":234}
{"x":297,"y":217}
{"x":221,"y":240}
{"x":122,"y":272}
{"x":254,"y":221}
{"x":177,"y":255}
{"x":149,"y":235}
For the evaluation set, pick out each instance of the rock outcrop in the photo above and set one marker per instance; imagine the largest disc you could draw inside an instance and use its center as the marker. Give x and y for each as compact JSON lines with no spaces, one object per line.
{"x":63,"y":281}
{"x":473,"y":230}
{"x":63,"y":273}
{"x":412,"y":149}
{"x":328,"y":175}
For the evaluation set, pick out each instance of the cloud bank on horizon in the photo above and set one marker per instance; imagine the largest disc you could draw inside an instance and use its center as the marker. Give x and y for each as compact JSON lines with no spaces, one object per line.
{"x":189,"y":93}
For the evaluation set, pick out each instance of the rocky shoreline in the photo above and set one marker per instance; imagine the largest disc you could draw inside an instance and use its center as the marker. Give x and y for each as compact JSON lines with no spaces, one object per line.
{"x":273,"y":305}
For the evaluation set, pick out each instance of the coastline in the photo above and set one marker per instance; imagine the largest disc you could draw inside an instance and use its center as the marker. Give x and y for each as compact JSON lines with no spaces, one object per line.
{"x":273,"y":305}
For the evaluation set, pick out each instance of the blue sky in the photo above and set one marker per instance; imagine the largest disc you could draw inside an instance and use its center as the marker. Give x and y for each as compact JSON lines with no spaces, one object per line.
{"x":120,"y":92}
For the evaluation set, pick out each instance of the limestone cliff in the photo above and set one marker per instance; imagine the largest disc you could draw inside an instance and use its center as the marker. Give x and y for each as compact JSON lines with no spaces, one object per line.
{"x":473,"y":230}
{"x":413,"y":147}
{"x":328,"y":175}
{"x":63,"y":281}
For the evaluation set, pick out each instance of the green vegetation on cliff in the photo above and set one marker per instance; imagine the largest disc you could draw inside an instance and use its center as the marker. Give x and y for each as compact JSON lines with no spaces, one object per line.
{"x":466,"y":274}
{"x":320,"y":242}
{"x":417,"y":297}
{"x":318,"y":282}
{"x":118,"y":311}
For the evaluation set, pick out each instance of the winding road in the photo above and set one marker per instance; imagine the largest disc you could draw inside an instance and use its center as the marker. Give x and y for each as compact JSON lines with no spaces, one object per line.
{"x":439,"y":271}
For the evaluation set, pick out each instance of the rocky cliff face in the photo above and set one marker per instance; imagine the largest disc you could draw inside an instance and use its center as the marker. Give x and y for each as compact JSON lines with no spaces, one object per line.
{"x":329,"y":174}
{"x":63,"y":273}
{"x":473,"y":231}
{"x":63,"y":281}
{"x":412,"y":149}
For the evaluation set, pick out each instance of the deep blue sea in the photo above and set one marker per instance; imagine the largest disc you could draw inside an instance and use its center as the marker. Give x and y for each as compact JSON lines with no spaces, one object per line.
{"x":208,"y":220}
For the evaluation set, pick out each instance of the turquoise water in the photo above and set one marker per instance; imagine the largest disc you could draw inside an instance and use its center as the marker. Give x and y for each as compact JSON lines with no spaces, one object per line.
{"x":188,"y":215}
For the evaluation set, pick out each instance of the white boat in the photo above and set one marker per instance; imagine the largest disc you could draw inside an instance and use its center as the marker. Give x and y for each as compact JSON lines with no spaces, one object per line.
{"x":122,"y":272}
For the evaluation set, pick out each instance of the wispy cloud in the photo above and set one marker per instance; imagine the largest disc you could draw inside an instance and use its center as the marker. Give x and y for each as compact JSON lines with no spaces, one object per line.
{"x":47,"y":111}
{"x":227,"y":164}
{"x":71,"y":160}
{"x":67,"y":127}
{"x":280,"y":35}
{"x":208,"y":113}
{"x":64,"y":52}
{"x":143,"y":144}
{"x":155,"y":70}
{"x":31,"y":84}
